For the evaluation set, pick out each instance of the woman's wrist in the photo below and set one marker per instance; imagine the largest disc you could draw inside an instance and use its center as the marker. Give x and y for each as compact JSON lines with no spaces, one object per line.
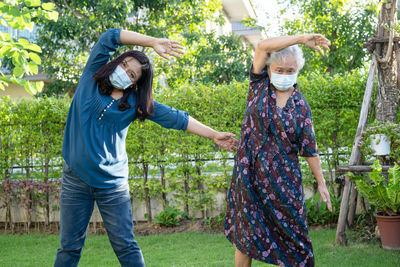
{"x":301,"y":39}
{"x":321,"y":181}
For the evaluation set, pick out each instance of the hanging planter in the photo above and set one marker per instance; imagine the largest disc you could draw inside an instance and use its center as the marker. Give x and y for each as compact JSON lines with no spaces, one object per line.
{"x":380,"y":145}
{"x":381,"y":139}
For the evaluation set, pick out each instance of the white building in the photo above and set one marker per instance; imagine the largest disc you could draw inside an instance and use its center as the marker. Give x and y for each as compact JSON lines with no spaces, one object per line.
{"x":237,"y":10}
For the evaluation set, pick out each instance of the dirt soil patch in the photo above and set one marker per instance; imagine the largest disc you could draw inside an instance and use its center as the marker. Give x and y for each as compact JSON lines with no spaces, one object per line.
{"x":140,"y":228}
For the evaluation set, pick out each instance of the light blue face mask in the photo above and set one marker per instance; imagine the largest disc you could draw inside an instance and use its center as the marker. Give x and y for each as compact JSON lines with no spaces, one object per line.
{"x":120,"y":79}
{"x":283,"y":82}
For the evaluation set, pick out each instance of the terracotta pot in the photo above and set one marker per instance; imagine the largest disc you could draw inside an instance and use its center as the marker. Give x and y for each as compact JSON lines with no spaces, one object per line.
{"x":389,"y":228}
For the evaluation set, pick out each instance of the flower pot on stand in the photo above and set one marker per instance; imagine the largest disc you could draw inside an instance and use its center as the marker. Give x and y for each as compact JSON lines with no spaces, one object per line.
{"x":380,"y":144}
{"x":389,"y":228}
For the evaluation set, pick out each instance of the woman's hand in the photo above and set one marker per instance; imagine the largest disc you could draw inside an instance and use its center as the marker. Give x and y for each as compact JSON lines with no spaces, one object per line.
{"x":165,"y":47}
{"x":323,"y":190}
{"x":226,"y":140}
{"x":315,"y":41}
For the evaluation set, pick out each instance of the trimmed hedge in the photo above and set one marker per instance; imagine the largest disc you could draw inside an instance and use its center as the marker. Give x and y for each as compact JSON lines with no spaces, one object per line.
{"x":183,"y":164}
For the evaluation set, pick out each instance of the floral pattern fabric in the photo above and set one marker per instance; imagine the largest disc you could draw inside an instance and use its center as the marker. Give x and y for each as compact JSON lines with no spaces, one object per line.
{"x":266,"y":212}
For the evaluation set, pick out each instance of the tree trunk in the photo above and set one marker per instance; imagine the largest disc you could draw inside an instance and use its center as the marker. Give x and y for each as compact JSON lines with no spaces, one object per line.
{"x":163,"y":183}
{"x":387,"y":100}
{"x":146,"y":191}
{"x":187,"y":190}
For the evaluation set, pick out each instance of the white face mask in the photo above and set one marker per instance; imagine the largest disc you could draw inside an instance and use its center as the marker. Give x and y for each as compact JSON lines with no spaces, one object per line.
{"x":283,"y":82}
{"x":120,"y":79}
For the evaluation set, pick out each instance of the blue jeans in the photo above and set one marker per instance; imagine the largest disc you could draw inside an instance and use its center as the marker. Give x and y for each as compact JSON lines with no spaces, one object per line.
{"x":76,"y":207}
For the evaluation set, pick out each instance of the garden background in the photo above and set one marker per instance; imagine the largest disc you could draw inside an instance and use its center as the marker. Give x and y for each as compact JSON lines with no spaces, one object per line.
{"x":174,"y":174}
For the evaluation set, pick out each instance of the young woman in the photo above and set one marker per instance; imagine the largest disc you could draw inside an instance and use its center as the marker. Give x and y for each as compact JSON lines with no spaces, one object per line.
{"x":109,"y":96}
{"x":266,"y":212}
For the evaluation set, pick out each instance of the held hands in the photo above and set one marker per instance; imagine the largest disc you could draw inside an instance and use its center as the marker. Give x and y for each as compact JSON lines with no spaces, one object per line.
{"x":315,"y":41}
{"x":165,"y":47}
{"x":226,"y":140}
{"x":323,"y":190}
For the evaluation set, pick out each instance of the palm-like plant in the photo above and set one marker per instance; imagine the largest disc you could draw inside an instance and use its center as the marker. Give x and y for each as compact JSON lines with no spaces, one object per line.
{"x":382,"y":192}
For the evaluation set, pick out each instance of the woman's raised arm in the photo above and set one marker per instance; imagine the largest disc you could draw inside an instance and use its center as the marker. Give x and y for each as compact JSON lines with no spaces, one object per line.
{"x":264,"y":47}
{"x":163,"y":47}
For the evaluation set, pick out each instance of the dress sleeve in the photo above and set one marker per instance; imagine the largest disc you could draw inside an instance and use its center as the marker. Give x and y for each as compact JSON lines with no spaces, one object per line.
{"x":169,"y":117}
{"x":257,"y":78}
{"x":307,"y":141}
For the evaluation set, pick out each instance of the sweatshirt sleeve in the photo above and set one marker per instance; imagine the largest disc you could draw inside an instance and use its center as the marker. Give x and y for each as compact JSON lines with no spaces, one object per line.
{"x":103,"y":49}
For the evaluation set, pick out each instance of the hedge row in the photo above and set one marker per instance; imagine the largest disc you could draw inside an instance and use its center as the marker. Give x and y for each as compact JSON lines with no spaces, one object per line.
{"x":32,"y":132}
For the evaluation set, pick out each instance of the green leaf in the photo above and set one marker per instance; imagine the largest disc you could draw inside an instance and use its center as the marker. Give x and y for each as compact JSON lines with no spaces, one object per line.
{"x":25,"y":43}
{"x":18,"y":71}
{"x":38,"y":86}
{"x":32,"y":3}
{"x":3,"y":22}
{"x":18,"y":81}
{"x":29,"y":87}
{"x":48,"y":6}
{"x":33,"y":68}
{"x":4,"y":51}
{"x":35,"y":57}
{"x":4,"y":36}
{"x":52,"y":15}
{"x":34,"y":47}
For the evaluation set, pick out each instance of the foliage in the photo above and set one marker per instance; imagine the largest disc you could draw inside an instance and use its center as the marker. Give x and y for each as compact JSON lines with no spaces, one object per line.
{"x":194,"y":168}
{"x":318,"y":213}
{"x":21,"y":56}
{"x":364,"y":230}
{"x":382,"y":192}
{"x":216,"y":223}
{"x":207,"y":57}
{"x":392,"y":132}
{"x":170,"y":216}
{"x":347,"y":24}
{"x":335,"y":102}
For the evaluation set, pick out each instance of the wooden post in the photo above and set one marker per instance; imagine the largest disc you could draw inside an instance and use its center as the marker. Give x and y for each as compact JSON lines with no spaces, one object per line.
{"x":352,"y":205}
{"x":355,"y":155}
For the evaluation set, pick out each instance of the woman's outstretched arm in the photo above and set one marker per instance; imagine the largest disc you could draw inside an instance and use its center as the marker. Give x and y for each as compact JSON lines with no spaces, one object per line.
{"x":224,"y":140}
{"x":163,"y":47}
{"x":264,"y":47}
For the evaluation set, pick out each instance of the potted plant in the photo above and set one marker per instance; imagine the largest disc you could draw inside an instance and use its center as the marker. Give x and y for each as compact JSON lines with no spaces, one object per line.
{"x":384,"y":194}
{"x":381,"y":138}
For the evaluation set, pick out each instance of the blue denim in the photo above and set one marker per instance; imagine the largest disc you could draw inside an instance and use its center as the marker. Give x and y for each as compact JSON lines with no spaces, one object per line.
{"x":76,"y":207}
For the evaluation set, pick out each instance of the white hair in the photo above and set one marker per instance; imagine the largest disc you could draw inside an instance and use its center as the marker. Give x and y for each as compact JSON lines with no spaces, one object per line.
{"x":283,"y":54}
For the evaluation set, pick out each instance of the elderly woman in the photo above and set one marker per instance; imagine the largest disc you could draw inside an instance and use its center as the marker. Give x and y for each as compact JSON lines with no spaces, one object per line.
{"x":266,"y":212}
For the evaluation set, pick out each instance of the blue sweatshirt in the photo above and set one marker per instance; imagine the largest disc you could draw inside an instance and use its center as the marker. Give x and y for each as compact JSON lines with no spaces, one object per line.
{"x":95,"y":132}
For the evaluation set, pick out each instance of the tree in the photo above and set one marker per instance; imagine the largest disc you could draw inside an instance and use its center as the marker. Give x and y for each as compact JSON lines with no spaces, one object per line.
{"x":20,"y":56}
{"x":347,"y":24}
{"x":69,"y":40}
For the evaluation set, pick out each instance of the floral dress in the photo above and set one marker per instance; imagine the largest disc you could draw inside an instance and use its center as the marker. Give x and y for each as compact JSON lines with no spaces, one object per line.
{"x":266,"y":212}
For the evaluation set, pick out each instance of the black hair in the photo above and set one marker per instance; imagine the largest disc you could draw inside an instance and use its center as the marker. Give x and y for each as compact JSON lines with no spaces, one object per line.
{"x":143,"y":87}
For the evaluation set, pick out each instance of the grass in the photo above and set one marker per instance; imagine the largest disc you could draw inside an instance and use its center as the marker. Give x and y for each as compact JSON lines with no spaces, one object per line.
{"x":188,"y":249}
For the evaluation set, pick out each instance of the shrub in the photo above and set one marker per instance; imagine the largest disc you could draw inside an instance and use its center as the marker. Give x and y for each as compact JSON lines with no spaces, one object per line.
{"x":318,"y":213}
{"x":171,"y":216}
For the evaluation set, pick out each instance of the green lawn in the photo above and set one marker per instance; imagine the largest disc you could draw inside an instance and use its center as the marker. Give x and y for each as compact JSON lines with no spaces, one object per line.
{"x":189,"y":249}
